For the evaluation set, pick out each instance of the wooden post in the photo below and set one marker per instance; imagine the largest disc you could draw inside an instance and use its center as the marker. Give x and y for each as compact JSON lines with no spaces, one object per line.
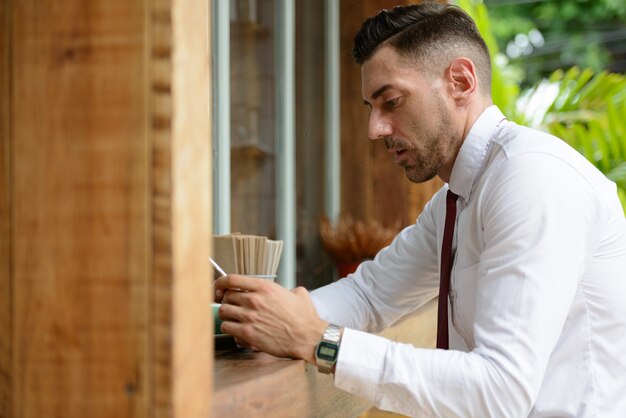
{"x":5,"y":213}
{"x":372,"y":186}
{"x":105,"y":209}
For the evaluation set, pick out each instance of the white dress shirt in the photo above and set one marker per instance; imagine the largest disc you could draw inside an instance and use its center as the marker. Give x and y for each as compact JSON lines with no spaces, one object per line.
{"x":537,"y":295}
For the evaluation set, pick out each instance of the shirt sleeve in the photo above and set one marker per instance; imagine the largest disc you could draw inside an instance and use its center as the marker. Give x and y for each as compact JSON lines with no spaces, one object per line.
{"x":538,"y":223}
{"x":401,"y":278}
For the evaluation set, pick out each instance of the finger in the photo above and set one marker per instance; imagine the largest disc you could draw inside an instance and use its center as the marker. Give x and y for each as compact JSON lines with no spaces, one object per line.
{"x":233,"y":328}
{"x":243,"y":344}
{"x":232,"y":313}
{"x":300,"y":291}
{"x":236,"y":281}
{"x":235,"y":297}
{"x":240,"y":343}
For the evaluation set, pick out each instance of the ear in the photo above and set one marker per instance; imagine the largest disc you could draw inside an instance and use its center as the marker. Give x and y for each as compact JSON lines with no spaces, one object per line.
{"x":462,"y":79}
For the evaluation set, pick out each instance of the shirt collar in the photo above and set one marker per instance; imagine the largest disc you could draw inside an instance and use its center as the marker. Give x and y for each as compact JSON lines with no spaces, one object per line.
{"x":473,"y":151}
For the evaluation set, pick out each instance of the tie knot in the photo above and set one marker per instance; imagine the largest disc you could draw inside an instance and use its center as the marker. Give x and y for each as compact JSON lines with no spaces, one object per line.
{"x":451,"y":198}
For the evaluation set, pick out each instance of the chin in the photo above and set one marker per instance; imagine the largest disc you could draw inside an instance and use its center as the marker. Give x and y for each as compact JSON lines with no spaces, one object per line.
{"x":419,"y":177}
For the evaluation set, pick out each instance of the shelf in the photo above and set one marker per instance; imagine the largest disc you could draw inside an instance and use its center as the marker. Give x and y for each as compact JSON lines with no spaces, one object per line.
{"x":251,"y":149}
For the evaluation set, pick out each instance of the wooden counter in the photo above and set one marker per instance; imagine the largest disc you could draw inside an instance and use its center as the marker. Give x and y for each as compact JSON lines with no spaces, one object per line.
{"x":252,"y":384}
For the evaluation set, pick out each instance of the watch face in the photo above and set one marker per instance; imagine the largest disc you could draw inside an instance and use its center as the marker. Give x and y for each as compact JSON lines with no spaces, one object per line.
{"x":327,"y":351}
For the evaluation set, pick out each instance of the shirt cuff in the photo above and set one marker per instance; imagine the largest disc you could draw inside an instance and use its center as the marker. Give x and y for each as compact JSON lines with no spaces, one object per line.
{"x":359,"y":364}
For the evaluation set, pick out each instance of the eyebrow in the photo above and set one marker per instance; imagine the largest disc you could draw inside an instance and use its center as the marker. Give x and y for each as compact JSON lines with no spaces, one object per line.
{"x":377,"y":93}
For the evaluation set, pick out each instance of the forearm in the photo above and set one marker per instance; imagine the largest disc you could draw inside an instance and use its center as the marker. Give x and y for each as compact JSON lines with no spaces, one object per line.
{"x":421,"y":382}
{"x":399,"y":280}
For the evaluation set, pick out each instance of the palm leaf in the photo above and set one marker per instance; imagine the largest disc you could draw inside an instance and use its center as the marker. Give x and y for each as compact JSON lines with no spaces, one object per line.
{"x":617,"y":130}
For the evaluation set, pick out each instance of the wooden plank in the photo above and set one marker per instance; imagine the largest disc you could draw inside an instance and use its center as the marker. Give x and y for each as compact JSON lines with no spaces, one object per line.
{"x":160,"y":72}
{"x":191,"y":210}
{"x":366,"y":174}
{"x":181,"y":322}
{"x":80,"y":207}
{"x":104,"y":281}
{"x":5,"y":213}
{"x":372,"y":187}
{"x":250,"y":384}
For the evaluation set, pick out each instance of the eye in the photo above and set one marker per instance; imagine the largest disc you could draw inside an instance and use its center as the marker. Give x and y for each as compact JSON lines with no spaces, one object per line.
{"x":390,"y":104}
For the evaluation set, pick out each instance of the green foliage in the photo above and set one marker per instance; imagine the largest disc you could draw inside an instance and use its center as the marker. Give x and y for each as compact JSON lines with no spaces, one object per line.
{"x":576,"y":32}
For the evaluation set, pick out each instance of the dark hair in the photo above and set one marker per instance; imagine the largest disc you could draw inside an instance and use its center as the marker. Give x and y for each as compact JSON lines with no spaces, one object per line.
{"x":426,"y":32}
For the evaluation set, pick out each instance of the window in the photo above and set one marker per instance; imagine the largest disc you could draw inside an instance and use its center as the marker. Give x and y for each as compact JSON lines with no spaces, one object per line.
{"x":271,"y":133}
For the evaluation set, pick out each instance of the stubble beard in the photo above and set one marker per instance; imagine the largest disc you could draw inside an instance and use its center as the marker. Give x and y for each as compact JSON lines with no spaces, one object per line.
{"x":421,"y":173}
{"x":438,"y":144}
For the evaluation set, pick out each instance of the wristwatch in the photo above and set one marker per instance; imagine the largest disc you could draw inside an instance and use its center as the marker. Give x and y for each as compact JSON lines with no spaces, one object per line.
{"x":327,"y":349}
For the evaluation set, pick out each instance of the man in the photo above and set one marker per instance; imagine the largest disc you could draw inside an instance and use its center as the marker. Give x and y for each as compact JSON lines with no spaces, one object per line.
{"x":537,"y":290}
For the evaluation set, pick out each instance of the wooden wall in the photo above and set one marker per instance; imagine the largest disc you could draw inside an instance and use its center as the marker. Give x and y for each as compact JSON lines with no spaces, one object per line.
{"x":372,"y":185}
{"x":5,"y":212}
{"x":105,"y":209}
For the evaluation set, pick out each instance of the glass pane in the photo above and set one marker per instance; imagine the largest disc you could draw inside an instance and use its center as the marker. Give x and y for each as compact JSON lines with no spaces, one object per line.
{"x":253,"y":124}
{"x":252,"y":117}
{"x":313,"y":264}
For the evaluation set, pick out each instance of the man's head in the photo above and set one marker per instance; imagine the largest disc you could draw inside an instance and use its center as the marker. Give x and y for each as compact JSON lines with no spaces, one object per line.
{"x":431,"y":35}
{"x":423,"y":71}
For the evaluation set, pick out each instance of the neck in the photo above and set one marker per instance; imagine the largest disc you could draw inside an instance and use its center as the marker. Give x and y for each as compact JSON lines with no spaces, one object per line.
{"x":473,"y":113}
{"x":467,"y":118}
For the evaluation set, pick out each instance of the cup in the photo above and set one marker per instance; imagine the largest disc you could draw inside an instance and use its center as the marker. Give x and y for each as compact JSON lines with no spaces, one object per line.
{"x":271,"y":277}
{"x":217,"y":322}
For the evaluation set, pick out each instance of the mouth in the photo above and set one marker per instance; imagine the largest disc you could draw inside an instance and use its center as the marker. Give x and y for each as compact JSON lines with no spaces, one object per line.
{"x":399,"y":153}
{"x":394,"y":148}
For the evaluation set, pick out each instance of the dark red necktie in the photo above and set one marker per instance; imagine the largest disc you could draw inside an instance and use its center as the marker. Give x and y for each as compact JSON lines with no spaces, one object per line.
{"x":446,"y":269}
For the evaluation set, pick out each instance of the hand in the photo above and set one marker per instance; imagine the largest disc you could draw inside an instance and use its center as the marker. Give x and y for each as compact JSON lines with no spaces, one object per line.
{"x":268,"y":317}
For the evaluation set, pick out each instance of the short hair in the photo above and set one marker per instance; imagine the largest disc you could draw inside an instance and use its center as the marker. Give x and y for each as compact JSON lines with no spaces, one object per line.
{"x":428,"y":33}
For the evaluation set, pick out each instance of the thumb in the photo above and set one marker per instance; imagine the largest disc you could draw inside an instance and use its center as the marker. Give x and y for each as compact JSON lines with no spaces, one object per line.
{"x":300,"y":291}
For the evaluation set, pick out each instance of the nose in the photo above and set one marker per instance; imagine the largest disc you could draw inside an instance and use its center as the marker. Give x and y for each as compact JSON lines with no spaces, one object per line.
{"x":378,"y":127}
